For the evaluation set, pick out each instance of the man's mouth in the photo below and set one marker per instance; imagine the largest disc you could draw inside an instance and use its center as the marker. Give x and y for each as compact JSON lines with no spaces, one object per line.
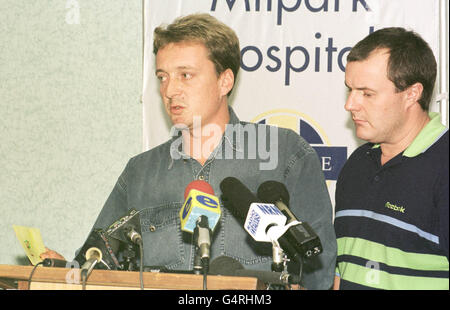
{"x":176,"y":109}
{"x":357,"y":119}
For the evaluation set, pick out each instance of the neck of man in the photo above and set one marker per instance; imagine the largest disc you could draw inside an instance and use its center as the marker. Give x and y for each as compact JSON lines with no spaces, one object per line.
{"x":415,"y":121}
{"x":204,"y":137}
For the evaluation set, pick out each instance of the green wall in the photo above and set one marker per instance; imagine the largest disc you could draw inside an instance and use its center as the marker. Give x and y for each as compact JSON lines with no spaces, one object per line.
{"x":71,"y":116}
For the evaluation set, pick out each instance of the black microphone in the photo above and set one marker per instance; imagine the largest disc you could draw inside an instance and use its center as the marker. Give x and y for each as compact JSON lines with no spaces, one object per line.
{"x":107,"y":246}
{"x":237,"y":194}
{"x":237,"y":197}
{"x":227,"y":266}
{"x":300,"y":239}
{"x":127,"y":228}
{"x":53,"y":262}
{"x":264,"y":222}
{"x":276,"y":193}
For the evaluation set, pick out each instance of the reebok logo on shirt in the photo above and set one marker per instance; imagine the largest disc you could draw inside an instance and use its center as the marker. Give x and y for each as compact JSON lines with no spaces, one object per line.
{"x":394,"y":207}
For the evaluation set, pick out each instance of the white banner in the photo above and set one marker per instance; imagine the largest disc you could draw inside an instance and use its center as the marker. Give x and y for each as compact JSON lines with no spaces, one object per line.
{"x":293,"y":61}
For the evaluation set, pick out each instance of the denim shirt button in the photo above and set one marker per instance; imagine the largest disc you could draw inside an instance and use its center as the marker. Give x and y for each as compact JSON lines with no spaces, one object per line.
{"x":152,"y":228}
{"x":201,"y":177}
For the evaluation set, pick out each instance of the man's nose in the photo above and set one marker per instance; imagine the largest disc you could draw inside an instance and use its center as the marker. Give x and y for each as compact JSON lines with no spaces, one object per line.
{"x":350,"y":103}
{"x":173,"y":88}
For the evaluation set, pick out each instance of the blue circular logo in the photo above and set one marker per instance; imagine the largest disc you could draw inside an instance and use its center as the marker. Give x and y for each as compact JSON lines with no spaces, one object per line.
{"x":207,"y":201}
{"x":187,"y":207}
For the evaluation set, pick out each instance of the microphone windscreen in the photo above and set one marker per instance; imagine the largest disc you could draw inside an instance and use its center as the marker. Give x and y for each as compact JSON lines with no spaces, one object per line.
{"x":237,"y":196}
{"x":198,"y":203}
{"x":199,"y":185}
{"x":227,"y":266}
{"x":224,"y":265}
{"x":109,"y":247}
{"x":273,"y":191}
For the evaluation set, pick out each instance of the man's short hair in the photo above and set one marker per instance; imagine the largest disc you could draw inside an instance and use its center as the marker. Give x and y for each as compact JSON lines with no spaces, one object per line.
{"x":220,"y":40}
{"x":411,"y":59}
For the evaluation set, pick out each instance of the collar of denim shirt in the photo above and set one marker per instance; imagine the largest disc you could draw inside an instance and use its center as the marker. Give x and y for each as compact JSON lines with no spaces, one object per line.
{"x":227,"y":138}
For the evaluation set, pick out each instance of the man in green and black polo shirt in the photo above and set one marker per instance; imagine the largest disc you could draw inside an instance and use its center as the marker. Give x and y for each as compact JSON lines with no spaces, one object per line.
{"x":392,"y":195}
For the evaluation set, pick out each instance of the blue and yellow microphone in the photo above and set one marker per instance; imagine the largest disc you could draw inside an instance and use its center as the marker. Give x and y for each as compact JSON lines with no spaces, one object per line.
{"x":199,"y":201}
{"x":199,"y":215}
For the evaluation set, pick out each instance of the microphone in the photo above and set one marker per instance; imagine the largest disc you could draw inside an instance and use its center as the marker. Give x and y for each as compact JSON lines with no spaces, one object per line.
{"x":127,"y":228}
{"x":199,"y":200}
{"x":200,"y":215}
{"x":300,"y":238}
{"x":202,"y":237}
{"x":276,"y":193}
{"x":264,"y":222}
{"x":200,"y":185}
{"x":93,"y":256}
{"x":227,"y":266}
{"x":107,"y":246}
{"x":237,"y":197}
{"x":53,"y":262}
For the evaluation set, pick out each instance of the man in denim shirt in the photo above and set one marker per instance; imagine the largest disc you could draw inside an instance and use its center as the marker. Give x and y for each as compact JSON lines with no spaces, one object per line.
{"x":197,"y":60}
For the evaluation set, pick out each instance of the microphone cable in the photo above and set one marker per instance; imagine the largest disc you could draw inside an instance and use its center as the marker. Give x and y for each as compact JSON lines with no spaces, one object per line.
{"x":31,"y":274}
{"x":84,"y":276}
{"x":141,"y":268}
{"x":205,"y":267}
{"x":83,"y":281}
{"x":300,"y":270}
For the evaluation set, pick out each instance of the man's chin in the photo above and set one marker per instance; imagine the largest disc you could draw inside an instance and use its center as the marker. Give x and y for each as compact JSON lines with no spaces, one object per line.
{"x":360,"y":134}
{"x":180,"y":126}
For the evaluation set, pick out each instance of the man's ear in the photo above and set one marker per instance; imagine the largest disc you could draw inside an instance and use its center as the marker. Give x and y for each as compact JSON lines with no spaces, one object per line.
{"x":226,"y":81}
{"x":414,"y":93}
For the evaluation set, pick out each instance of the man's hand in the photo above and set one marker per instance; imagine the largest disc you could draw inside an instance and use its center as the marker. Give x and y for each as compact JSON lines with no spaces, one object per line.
{"x":51,"y":254}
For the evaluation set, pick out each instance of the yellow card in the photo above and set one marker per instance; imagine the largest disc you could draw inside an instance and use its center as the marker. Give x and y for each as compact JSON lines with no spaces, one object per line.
{"x":31,"y":240}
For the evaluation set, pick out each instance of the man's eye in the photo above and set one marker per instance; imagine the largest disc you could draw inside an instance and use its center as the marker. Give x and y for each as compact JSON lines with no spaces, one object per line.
{"x":161,"y":78}
{"x":187,"y":76}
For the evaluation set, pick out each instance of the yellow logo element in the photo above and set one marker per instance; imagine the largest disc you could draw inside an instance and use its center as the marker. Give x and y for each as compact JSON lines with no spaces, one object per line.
{"x":394,"y":207}
{"x":301,"y":123}
{"x":332,"y":157}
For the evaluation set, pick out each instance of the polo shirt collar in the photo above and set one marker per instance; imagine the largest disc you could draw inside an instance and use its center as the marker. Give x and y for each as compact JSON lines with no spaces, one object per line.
{"x":429,"y":135}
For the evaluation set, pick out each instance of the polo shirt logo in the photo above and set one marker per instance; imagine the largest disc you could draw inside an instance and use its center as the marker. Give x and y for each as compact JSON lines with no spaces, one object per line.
{"x":394,"y":207}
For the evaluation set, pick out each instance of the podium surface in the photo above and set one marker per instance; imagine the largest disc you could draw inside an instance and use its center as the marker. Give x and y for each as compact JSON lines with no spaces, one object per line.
{"x":53,"y":278}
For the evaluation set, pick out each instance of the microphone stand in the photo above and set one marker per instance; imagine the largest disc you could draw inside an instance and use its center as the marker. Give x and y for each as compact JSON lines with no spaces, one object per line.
{"x":202,"y":239}
{"x":197,"y":262}
{"x":278,"y":258}
{"x":280,"y":261}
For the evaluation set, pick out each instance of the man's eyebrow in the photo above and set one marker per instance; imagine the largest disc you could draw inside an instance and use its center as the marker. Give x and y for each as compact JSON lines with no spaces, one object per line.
{"x":359,"y":88}
{"x":179,"y":68}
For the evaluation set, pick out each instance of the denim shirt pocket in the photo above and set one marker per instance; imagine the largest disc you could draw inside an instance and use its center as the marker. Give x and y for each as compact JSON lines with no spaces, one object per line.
{"x":239,"y":245}
{"x":162,"y":236}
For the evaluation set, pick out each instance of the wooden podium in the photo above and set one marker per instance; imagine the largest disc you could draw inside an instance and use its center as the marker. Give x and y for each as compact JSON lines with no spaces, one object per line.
{"x":52,"y":278}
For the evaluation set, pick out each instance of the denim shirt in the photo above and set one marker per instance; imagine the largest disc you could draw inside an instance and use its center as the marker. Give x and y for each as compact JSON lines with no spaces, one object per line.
{"x":153,"y":183}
